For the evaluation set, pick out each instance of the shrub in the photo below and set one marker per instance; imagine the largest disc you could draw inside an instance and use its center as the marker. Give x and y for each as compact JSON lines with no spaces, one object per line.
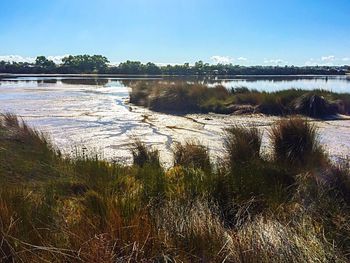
{"x":247,"y":176}
{"x":242,"y":144}
{"x":143,"y":155}
{"x":314,"y":105}
{"x":294,"y":141}
{"x":191,"y":154}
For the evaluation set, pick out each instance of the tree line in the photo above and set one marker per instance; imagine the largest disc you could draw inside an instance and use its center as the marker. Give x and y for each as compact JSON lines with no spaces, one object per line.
{"x":101,"y":65}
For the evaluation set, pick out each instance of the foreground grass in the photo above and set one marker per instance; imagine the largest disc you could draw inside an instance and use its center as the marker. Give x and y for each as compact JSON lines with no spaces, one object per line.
{"x":182,"y":97}
{"x":289,"y":208}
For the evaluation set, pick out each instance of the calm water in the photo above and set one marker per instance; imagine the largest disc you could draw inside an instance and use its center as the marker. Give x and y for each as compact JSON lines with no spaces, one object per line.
{"x":93,"y":113}
{"x":340,"y":84}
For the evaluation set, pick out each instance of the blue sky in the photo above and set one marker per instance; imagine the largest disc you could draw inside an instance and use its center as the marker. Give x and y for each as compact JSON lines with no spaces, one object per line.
{"x":247,"y":32}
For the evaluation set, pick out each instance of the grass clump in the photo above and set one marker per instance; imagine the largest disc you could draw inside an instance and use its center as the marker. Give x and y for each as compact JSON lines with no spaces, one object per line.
{"x":242,"y":144}
{"x":294,"y":141}
{"x":95,"y":205}
{"x":270,"y":240}
{"x":195,"y":229}
{"x":246,"y":177}
{"x":191,"y":154}
{"x":143,"y":155}
{"x":314,"y":105}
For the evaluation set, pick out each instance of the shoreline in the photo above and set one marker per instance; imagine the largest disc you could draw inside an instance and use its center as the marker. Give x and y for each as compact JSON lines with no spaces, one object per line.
{"x":157,"y":75}
{"x":161,"y":128}
{"x":67,"y":111}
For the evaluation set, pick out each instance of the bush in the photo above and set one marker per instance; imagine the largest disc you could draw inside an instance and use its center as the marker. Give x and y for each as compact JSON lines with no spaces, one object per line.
{"x":191,"y":154}
{"x":242,"y":144}
{"x":314,"y":105}
{"x":246,"y":176}
{"x":143,"y":155}
{"x":294,"y":141}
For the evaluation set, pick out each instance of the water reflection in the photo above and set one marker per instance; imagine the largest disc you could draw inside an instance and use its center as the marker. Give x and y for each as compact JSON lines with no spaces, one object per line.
{"x":86,"y":81}
{"x":50,"y":81}
{"x":339,"y":84}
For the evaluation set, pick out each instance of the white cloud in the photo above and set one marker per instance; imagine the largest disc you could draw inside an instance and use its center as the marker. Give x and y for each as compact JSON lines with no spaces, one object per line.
{"x":242,"y":59}
{"x":113,"y":63}
{"x":164,"y":64}
{"x":222,"y":59}
{"x":57,"y":59}
{"x":311,"y":62}
{"x":328,"y":58}
{"x":18,"y":58}
{"x":275,"y":61}
{"x":326,"y":61}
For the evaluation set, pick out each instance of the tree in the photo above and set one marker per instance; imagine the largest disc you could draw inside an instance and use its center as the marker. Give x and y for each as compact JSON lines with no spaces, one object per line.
{"x":152,"y":68}
{"x":44,"y":63}
{"x":131,"y":67}
{"x":85,"y":63}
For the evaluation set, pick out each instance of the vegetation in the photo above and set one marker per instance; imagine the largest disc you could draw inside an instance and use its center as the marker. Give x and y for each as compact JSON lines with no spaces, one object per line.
{"x":45,"y":64}
{"x":191,"y":154}
{"x":248,"y":208}
{"x":183,"y":97}
{"x":100,"y":64}
{"x":295,"y":142}
{"x":84,"y":64}
{"x":70,"y":64}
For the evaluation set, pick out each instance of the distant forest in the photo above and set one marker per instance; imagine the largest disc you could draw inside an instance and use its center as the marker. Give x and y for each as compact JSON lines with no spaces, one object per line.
{"x":100,"y":65}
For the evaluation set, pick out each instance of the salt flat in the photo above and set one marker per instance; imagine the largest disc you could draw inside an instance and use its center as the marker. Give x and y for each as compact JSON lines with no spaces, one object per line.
{"x":99,"y":119}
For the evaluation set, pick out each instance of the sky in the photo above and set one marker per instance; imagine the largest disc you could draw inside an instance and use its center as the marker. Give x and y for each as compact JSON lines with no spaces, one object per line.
{"x":245,"y":32}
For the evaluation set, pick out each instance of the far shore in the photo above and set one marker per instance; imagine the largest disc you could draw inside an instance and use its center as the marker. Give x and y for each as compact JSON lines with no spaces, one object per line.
{"x":5,"y":75}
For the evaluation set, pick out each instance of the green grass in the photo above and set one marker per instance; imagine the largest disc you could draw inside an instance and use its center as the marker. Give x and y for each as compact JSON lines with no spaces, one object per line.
{"x":295,"y":142}
{"x":143,"y":155}
{"x":182,"y":97}
{"x":191,"y":154}
{"x":246,"y":208}
{"x":242,"y":144}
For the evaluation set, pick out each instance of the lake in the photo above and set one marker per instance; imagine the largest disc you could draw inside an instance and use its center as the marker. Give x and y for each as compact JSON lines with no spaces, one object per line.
{"x":93,"y":113}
